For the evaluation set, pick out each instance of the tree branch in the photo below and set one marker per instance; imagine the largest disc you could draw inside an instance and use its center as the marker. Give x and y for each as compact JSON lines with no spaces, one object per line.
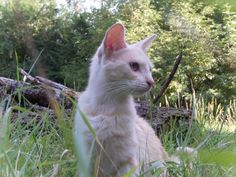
{"x":169,"y":78}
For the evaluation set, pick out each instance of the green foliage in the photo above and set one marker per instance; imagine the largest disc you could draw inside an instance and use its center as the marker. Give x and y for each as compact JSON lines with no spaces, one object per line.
{"x":65,"y":38}
{"x":206,"y":35}
{"x":68,"y":37}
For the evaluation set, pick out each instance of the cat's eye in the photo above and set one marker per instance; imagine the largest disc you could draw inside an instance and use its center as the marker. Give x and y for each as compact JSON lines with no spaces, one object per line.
{"x":134,"y":66}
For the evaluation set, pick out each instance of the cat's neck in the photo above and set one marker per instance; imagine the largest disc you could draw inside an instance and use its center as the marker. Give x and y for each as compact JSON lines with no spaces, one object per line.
{"x":95,"y":101}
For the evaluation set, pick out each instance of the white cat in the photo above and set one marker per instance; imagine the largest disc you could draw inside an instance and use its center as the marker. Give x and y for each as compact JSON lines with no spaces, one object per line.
{"x":118,"y":72}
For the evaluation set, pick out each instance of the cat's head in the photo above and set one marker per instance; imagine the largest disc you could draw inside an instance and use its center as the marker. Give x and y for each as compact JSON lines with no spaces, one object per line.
{"x":125,"y":68}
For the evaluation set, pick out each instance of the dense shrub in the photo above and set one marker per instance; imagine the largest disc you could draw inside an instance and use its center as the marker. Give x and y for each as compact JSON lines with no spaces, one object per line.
{"x":63,"y":39}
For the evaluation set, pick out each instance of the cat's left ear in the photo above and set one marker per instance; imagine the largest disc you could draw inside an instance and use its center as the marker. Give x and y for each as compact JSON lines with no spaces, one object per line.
{"x":146,"y":43}
{"x":114,"y":39}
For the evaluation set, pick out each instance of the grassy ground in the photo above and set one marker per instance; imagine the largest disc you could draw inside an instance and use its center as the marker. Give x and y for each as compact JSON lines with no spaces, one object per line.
{"x":45,"y":147}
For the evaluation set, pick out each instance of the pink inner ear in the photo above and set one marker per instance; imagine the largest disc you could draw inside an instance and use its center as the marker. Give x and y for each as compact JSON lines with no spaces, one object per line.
{"x":115,"y":39}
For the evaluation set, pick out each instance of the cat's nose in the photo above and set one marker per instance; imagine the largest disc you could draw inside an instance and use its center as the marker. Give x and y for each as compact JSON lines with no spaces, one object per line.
{"x":150,"y":82}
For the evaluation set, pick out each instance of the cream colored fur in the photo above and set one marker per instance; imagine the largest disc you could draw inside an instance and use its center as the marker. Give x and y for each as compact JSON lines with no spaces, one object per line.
{"x":128,"y":141}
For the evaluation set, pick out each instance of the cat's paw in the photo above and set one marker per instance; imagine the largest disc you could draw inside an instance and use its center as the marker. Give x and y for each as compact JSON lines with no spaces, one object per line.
{"x":183,"y":153}
{"x":187,"y":150}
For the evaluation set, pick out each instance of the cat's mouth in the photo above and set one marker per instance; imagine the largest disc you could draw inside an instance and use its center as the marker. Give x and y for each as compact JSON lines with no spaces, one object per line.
{"x":141,"y":91}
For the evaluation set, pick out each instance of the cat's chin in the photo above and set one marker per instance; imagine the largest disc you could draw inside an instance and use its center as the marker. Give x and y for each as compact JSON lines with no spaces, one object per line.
{"x":140,"y":93}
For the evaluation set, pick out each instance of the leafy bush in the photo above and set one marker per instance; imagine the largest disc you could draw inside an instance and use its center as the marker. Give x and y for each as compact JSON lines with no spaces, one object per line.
{"x":65,"y":38}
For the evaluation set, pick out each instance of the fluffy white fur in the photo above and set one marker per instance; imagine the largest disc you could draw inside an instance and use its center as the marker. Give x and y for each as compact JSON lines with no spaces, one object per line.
{"x":128,"y":141}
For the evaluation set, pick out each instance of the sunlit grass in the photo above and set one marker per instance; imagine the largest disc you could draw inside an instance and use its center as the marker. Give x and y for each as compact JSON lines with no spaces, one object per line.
{"x":35,"y":148}
{"x":212,"y":135}
{"x":217,"y":116}
{"x":45,"y":147}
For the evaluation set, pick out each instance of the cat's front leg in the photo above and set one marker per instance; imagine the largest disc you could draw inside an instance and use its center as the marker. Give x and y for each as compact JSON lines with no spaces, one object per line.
{"x":130,"y":165}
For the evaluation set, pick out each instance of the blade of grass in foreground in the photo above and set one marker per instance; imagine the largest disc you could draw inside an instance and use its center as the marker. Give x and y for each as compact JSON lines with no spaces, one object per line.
{"x":4,"y":125}
{"x":81,"y":145}
{"x":4,"y":140}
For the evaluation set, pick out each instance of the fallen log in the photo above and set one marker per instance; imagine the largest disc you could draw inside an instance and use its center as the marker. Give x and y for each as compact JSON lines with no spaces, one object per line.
{"x":37,"y":93}
{"x":161,"y":117}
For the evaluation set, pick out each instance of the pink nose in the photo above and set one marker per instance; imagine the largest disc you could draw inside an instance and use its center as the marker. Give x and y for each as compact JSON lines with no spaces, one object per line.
{"x":150,"y":83}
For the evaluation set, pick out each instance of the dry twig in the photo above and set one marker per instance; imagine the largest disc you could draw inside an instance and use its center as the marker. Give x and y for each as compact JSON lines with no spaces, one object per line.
{"x":169,"y":78}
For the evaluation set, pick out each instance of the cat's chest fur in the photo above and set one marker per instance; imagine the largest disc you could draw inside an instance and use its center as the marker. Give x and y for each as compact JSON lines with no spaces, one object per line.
{"x":116,"y":132}
{"x":110,"y":120}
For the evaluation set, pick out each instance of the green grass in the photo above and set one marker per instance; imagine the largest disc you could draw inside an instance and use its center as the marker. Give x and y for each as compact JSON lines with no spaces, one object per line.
{"x":213,"y":135}
{"x":45,"y":147}
{"x":37,"y":147}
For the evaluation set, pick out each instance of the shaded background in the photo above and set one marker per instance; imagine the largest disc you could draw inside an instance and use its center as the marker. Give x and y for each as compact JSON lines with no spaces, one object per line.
{"x":61,"y":39}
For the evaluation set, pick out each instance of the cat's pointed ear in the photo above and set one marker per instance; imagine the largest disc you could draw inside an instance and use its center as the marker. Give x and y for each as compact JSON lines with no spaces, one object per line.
{"x":146,"y":43}
{"x":114,"y":39}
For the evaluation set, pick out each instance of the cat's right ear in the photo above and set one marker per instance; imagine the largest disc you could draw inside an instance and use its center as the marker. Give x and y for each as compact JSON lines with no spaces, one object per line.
{"x":114,"y":39}
{"x":146,"y":43}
